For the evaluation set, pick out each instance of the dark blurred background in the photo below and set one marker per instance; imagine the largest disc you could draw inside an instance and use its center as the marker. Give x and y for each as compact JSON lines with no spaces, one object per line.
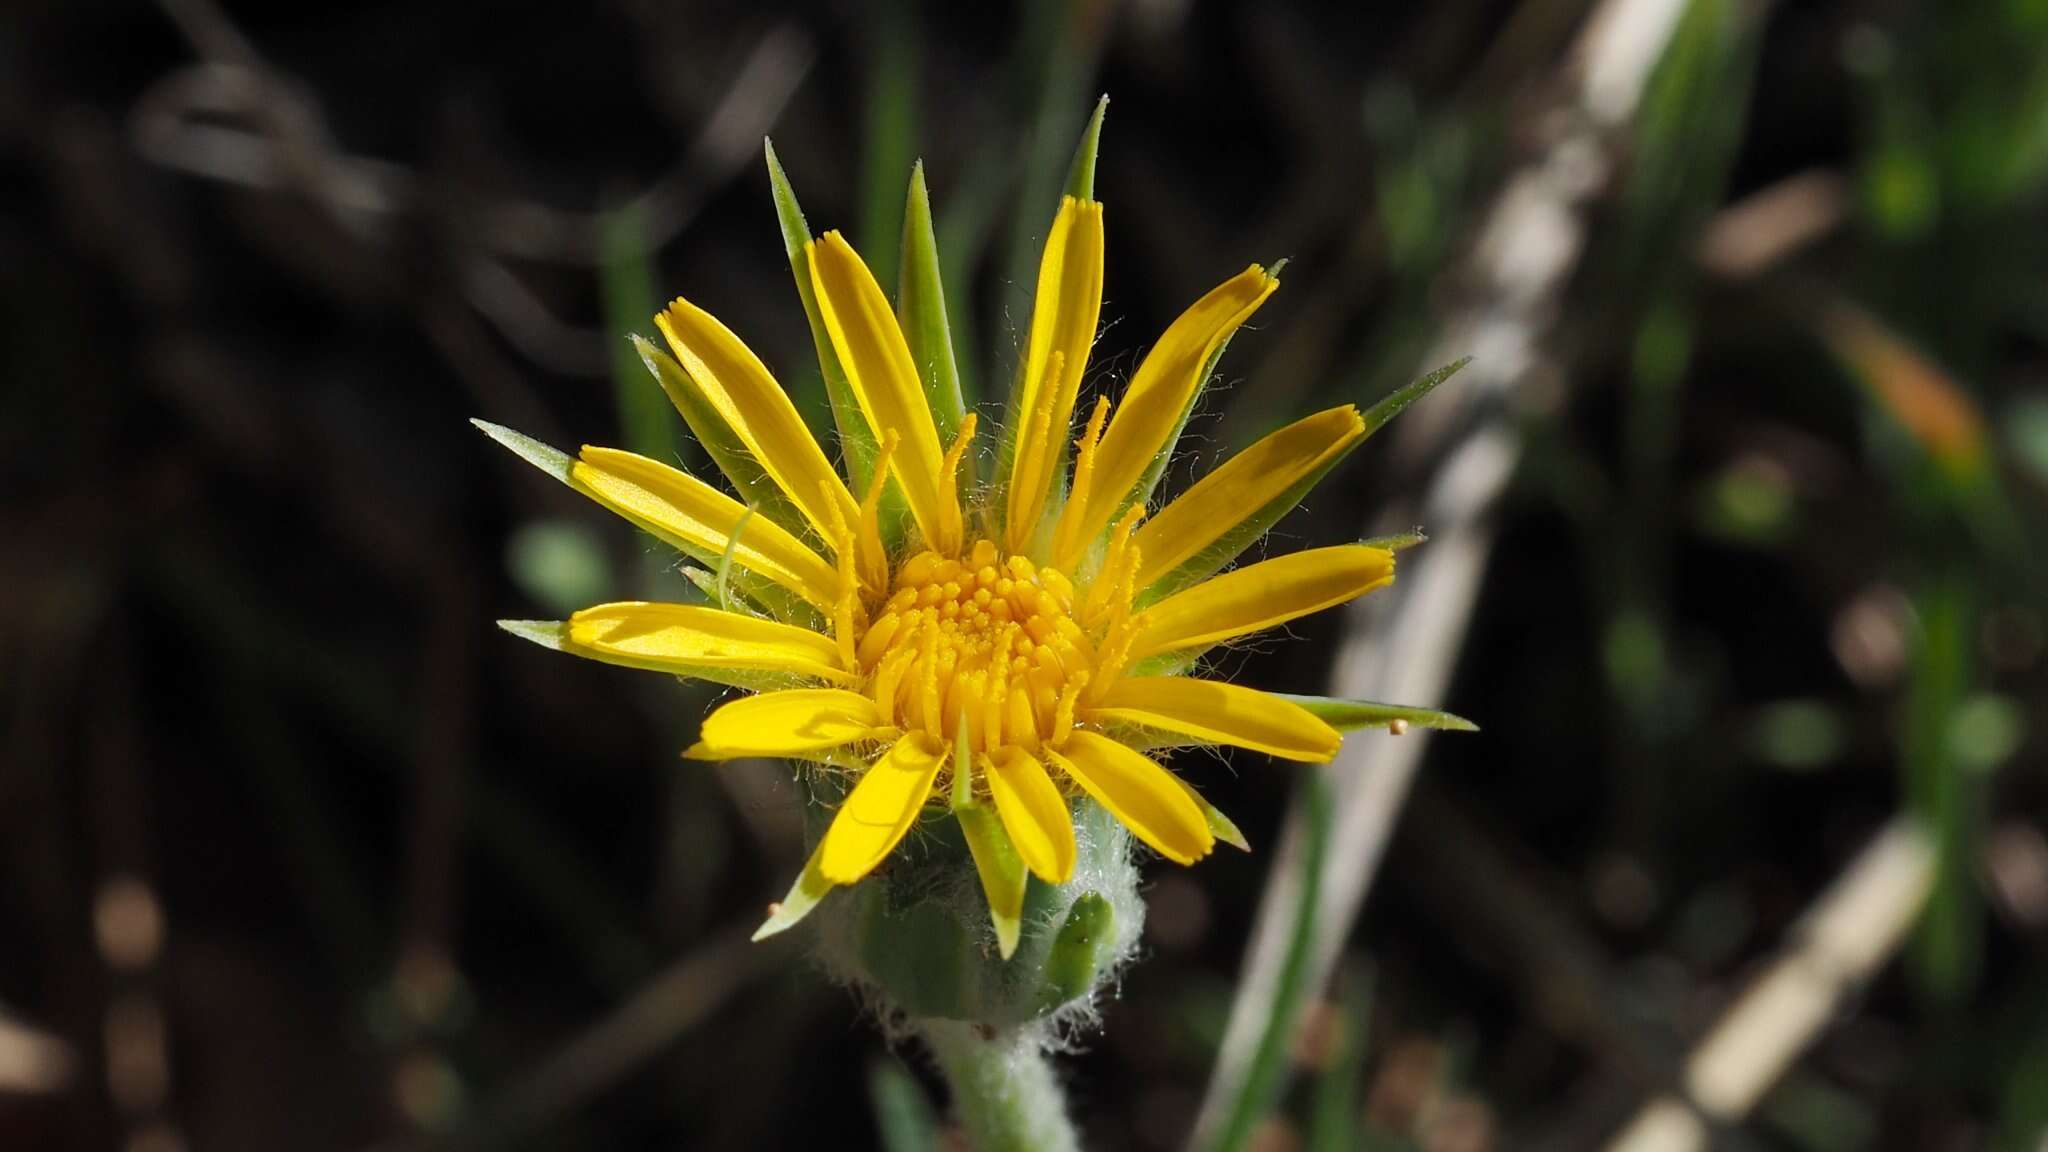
{"x":300,"y":852}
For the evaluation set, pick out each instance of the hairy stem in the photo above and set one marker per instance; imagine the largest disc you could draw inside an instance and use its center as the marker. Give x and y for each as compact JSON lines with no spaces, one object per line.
{"x":1004,"y":1092}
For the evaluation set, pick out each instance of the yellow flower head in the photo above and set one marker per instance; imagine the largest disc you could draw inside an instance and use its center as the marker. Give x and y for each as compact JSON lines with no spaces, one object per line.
{"x":951,"y":644}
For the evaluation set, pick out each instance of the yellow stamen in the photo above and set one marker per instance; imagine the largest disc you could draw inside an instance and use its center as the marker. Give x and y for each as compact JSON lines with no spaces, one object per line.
{"x":1031,"y":475}
{"x":950,"y":469}
{"x":1067,"y":539}
{"x":874,"y":559}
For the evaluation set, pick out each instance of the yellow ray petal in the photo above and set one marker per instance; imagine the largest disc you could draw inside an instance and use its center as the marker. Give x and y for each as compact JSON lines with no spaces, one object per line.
{"x":689,"y":639}
{"x":1213,"y":712}
{"x":1063,"y":318}
{"x":1140,"y":793}
{"x":1260,"y":596}
{"x":884,"y":379}
{"x":1034,"y":813}
{"x":699,"y":519}
{"x":1240,"y":487}
{"x":738,"y":385}
{"x":788,"y":723}
{"x":1162,"y":390}
{"x":880,"y":809}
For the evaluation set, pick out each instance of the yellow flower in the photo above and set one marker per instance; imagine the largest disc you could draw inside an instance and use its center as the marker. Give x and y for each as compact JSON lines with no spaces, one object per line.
{"x":1011,"y":646}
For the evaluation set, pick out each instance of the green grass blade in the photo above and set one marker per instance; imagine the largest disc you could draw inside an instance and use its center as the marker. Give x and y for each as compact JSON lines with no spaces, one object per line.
{"x":890,"y":109}
{"x":629,"y":307}
{"x":1262,"y":1083}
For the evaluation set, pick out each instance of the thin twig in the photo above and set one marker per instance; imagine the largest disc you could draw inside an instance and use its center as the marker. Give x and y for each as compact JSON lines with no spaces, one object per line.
{"x":1848,"y":933}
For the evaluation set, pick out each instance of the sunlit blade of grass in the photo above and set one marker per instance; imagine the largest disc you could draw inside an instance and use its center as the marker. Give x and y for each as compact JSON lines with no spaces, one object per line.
{"x":1267,"y":1074}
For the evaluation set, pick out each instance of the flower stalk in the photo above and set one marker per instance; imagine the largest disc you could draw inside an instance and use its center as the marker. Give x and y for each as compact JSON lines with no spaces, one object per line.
{"x":1005,"y":1093}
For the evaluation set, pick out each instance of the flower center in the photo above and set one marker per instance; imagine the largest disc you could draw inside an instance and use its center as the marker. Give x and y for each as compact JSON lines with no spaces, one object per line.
{"x":988,"y":641}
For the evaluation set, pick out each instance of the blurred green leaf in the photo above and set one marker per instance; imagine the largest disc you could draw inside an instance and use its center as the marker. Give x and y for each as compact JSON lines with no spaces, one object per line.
{"x":560,"y":564}
{"x":1946,"y":948}
{"x":1986,"y":731}
{"x":1798,"y":734}
{"x":903,"y":1116}
{"x":1819,"y":1117}
{"x":1748,"y":504}
{"x":1901,"y":191}
{"x":1334,"y":1114}
{"x":628,"y":281}
{"x":893,"y":38}
{"x":2026,"y":433}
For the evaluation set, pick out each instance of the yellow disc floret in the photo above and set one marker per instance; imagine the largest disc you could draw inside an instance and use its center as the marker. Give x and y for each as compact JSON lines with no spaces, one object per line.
{"x":988,"y":640}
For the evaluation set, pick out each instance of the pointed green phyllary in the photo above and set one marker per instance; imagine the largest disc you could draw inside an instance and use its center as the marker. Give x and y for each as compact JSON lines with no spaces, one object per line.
{"x":1222,"y":827}
{"x":781,"y":603}
{"x":1353,"y":715}
{"x":921,"y":310}
{"x":855,"y":438}
{"x":1081,"y":175}
{"x":1377,"y":416}
{"x":995,"y":859}
{"x":810,"y":887}
{"x":1079,"y":950}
